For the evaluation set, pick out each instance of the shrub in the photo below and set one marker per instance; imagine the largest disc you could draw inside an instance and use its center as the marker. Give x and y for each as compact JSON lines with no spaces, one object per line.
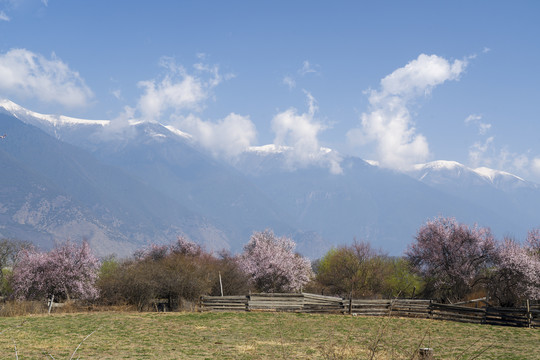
{"x":233,"y":279}
{"x":354,"y":271}
{"x":182,"y":271}
{"x":401,"y":279}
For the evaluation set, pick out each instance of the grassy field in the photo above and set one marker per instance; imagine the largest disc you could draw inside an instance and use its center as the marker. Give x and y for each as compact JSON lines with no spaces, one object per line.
{"x":117,"y":335}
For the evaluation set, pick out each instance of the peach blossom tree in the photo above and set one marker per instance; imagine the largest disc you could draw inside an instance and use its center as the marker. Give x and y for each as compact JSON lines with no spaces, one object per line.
{"x":272,"y":263}
{"x":67,"y":271}
{"x":453,"y":258}
{"x":517,"y":275}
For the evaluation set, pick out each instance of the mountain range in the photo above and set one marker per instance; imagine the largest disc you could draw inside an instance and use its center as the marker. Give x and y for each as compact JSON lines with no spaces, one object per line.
{"x":123,"y":185}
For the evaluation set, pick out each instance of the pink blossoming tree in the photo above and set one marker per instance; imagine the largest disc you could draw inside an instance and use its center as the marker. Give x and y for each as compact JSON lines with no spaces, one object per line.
{"x":156,"y":252}
{"x":517,"y":276}
{"x":68,"y":271}
{"x":272,"y":263}
{"x":453,"y":258}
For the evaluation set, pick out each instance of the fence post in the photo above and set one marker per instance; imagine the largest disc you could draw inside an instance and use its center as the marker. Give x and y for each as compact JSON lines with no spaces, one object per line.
{"x":51,"y":304}
{"x":425,"y":354}
{"x":529,"y":315}
{"x":220,"y":284}
{"x":350,"y":305}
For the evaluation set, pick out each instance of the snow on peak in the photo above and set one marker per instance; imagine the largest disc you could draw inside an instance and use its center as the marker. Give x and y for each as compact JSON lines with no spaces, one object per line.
{"x":492,"y":174}
{"x":373,"y":162}
{"x":24,"y":114}
{"x":440,"y":165}
{"x":178,"y":132}
{"x":446,"y":172}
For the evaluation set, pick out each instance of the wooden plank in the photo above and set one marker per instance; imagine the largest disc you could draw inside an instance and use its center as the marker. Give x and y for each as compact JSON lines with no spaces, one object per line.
{"x":500,"y":310}
{"x":378,"y":301}
{"x":369,"y":313}
{"x":457,"y":315}
{"x":455,"y":308}
{"x":276,"y":295}
{"x":322,"y":297}
{"x":224,"y":297}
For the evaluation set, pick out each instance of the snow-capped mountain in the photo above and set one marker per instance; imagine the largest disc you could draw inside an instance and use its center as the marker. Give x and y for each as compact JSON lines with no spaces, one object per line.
{"x":197,"y":196}
{"x":125,"y":183}
{"x":452,"y":173}
{"x":52,"y":190}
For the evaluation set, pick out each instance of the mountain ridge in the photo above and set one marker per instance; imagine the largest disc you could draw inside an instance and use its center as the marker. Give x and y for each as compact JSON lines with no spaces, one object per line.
{"x":220,"y":204}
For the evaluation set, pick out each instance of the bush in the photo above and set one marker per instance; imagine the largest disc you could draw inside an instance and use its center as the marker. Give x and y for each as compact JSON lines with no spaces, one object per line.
{"x":354,"y":271}
{"x":233,"y":279}
{"x":174,"y":273}
{"x":401,"y":279}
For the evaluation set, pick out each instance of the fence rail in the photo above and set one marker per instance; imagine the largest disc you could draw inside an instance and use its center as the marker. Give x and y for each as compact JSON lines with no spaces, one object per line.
{"x":312,"y":303}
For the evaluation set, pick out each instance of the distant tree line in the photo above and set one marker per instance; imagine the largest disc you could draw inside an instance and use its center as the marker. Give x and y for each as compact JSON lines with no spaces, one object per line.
{"x":447,"y":261}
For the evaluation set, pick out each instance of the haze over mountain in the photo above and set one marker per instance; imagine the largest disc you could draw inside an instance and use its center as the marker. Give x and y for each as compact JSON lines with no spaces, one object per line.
{"x":123,"y":186}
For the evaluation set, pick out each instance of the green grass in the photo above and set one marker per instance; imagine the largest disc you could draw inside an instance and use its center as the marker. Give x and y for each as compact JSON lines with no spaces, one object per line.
{"x":119,"y":335}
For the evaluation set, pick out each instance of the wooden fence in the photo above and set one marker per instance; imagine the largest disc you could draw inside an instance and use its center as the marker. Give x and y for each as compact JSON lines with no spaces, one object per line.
{"x":312,"y":303}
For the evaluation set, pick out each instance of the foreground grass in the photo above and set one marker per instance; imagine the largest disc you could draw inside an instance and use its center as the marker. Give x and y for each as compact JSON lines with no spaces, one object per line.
{"x":117,"y":335}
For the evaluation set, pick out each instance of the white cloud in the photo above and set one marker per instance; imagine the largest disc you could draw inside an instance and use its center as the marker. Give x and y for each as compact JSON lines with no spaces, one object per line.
{"x":174,"y":97}
{"x":119,"y":128}
{"x":535,"y":166}
{"x":308,"y":68}
{"x":472,"y":118}
{"x":476,"y":119}
{"x":300,"y":133}
{"x":486,"y":153}
{"x":27,"y":74}
{"x":289,"y":81}
{"x":521,"y":162}
{"x":226,"y":138}
{"x":158,"y":96}
{"x":483,"y":128}
{"x":389,"y":123}
{"x":3,"y":16}
{"x":117,"y":94}
{"x":177,"y":90}
{"x":419,"y":76}
{"x":480,"y":153}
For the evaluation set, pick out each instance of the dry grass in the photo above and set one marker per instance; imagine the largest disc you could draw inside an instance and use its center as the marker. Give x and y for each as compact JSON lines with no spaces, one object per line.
{"x":131,"y":335}
{"x":22,"y":308}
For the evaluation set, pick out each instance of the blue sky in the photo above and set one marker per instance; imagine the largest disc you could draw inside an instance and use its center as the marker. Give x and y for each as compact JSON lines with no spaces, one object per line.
{"x":400,"y":82}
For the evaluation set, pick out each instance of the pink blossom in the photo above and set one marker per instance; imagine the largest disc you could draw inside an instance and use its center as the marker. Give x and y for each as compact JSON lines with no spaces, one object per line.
{"x":186,"y":247}
{"x":453,"y":257}
{"x":273,"y":264}
{"x":69,"y":270}
{"x":153,"y":252}
{"x":157,"y":252}
{"x":518,"y":270}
